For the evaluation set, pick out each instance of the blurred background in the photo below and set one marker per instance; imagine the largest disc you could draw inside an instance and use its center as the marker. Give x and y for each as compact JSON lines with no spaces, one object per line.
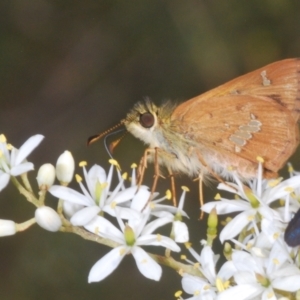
{"x":71,"y":69}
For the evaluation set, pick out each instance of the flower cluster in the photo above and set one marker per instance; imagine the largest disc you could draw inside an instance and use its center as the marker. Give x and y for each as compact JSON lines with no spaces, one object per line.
{"x":98,"y":200}
{"x":98,"y":208}
{"x":261,"y":249}
{"x":260,"y":264}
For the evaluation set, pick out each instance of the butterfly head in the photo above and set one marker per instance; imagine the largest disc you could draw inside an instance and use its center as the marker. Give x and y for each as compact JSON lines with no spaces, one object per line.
{"x":148,"y":122}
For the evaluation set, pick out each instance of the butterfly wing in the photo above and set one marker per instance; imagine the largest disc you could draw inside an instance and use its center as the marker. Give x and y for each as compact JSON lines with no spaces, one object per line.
{"x":279,"y":81}
{"x":238,"y":128}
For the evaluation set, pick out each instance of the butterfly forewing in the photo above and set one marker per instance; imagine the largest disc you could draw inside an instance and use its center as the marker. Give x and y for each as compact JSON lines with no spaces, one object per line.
{"x":279,"y":81}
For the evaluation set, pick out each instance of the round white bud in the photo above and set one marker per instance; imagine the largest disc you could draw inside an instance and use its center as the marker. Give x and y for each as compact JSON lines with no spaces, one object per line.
{"x":65,"y":168}
{"x":45,"y":176}
{"x":48,"y":218}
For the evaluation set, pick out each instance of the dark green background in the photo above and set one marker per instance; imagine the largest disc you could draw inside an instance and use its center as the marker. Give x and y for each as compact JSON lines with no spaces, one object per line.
{"x":69,"y":69}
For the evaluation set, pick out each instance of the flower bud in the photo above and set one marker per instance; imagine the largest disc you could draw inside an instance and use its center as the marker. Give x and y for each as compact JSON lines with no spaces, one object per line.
{"x":129,"y":235}
{"x":48,"y":218}
{"x":45,"y":176}
{"x":65,"y":168}
{"x":7,"y":227}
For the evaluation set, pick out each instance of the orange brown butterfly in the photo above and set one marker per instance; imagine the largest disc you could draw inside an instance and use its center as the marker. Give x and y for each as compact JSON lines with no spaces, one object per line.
{"x":226,"y":128}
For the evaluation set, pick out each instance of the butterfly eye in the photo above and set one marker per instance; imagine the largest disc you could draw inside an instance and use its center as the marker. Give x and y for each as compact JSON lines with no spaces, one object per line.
{"x":147,"y":120}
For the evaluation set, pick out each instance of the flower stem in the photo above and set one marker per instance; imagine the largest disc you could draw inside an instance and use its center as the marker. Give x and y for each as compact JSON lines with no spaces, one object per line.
{"x":27,"y":194}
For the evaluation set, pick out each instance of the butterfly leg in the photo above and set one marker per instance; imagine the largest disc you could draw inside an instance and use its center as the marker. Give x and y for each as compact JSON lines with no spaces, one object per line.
{"x":143,"y":166}
{"x":156,"y":171}
{"x":201,"y":201}
{"x":173,"y":189}
{"x":200,"y":178}
{"x":201,"y":194}
{"x":205,"y":165}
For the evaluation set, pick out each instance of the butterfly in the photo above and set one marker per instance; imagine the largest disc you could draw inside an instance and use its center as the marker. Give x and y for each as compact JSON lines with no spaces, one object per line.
{"x":228,"y":127}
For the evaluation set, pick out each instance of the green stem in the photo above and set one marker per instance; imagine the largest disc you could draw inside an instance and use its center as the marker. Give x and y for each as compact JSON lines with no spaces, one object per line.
{"x":176,"y":265}
{"x":26,"y":182}
{"x":27,"y":194}
{"x":25,"y":225}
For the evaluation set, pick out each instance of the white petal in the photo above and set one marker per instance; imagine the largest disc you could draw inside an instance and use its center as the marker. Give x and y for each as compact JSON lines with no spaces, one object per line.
{"x":272,"y":229}
{"x":286,"y":270}
{"x":123,"y":212}
{"x":158,"y":240}
{"x":232,"y":188}
{"x":243,"y":261}
{"x":160,"y":209}
{"x":28,"y":147}
{"x":48,"y":218}
{"x":4,"y":179}
{"x":68,"y":194}
{"x":146,"y":265}
{"x":281,"y":189}
{"x":22,"y":168}
{"x":207,"y":263}
{"x":235,"y":226}
{"x":241,"y":292}
{"x":269,"y":294}
{"x":140,"y":199}
{"x":181,"y":232}
{"x":85,"y":215}
{"x":95,"y":175}
{"x":162,"y":214}
{"x":107,"y":264}
{"x":287,"y":283}
{"x":70,"y":208}
{"x":150,"y":227}
{"x":192,"y":284}
{"x":12,"y":158}
{"x":103,"y":227}
{"x":269,"y":213}
{"x":227,"y":270}
{"x":124,"y":195}
{"x":244,"y":277}
{"x":225,"y":206}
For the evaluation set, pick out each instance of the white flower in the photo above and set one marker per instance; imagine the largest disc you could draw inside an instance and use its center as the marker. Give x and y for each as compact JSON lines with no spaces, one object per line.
{"x":97,"y":196}
{"x":132,"y":235}
{"x":180,"y":231}
{"x":48,"y":218}
{"x":13,"y":161}
{"x":212,"y":282}
{"x":257,"y":275}
{"x":196,"y":286}
{"x":254,"y":203}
